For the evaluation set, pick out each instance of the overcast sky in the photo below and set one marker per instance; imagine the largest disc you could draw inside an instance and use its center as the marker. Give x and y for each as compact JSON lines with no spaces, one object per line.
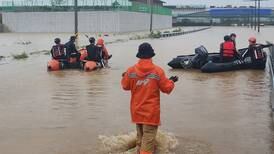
{"x":269,"y":3}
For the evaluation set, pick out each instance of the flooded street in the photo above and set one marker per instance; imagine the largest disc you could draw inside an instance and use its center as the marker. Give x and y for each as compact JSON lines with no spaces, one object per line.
{"x":64,"y":112}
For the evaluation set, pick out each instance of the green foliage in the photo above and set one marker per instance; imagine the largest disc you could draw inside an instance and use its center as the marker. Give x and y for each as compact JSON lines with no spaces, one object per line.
{"x":23,"y":55}
{"x":156,"y":34}
{"x":115,"y":4}
{"x":57,"y":2}
{"x":177,"y":30}
{"x":139,"y":37}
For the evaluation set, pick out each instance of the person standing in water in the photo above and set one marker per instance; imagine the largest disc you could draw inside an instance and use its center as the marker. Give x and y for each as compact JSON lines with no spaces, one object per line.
{"x":145,"y":80}
{"x":104,"y":55}
{"x":92,"y":51}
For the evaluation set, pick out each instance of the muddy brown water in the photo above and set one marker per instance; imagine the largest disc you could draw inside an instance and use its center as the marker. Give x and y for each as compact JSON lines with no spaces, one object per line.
{"x":64,"y":112}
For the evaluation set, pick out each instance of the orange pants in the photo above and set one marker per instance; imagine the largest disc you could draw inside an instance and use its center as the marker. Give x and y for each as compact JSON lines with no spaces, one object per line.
{"x":146,"y":135}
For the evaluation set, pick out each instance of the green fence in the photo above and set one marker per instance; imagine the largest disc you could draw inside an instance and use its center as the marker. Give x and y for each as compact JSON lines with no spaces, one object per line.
{"x":140,"y":7}
{"x":83,"y":5}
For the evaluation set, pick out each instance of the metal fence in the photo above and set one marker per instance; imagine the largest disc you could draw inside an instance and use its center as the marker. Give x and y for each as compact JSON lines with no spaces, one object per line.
{"x":271,"y":71}
{"x":83,"y":5}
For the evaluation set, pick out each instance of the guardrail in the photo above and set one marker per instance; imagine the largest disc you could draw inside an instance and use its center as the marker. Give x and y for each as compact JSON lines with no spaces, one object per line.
{"x":182,"y":32}
{"x":271,"y":71}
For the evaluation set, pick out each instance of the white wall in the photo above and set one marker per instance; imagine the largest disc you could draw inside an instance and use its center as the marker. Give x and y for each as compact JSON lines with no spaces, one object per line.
{"x":92,"y":21}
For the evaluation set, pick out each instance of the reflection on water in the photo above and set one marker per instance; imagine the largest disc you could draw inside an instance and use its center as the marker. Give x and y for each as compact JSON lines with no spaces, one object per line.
{"x":64,"y":112}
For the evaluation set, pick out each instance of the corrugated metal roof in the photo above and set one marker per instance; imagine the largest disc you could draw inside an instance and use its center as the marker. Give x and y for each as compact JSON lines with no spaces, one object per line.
{"x":237,"y":12}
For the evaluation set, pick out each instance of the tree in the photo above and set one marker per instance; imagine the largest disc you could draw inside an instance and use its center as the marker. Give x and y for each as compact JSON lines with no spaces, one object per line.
{"x":115,"y":4}
{"x":57,"y":2}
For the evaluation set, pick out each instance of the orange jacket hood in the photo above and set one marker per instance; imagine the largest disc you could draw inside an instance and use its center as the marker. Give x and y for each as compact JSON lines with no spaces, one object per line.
{"x":144,"y":67}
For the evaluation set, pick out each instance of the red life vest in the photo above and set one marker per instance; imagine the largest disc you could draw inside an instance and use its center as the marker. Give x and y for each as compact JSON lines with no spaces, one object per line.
{"x":58,"y":50}
{"x":228,"y":49}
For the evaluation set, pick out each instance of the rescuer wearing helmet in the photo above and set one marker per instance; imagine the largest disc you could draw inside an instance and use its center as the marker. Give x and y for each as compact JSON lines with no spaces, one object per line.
{"x":58,"y":50}
{"x":92,"y":50}
{"x":255,"y":51}
{"x":71,"y":50}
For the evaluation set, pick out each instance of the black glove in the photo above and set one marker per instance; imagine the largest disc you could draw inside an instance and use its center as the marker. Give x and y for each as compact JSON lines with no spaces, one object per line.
{"x":174,"y":78}
{"x":109,"y":56}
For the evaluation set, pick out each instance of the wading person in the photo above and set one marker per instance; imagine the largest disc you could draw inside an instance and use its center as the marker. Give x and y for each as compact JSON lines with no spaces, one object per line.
{"x":103,"y":51}
{"x":92,"y":50}
{"x":145,"y":80}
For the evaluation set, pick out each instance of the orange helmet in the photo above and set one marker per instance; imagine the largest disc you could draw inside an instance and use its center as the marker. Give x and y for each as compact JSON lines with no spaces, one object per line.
{"x":100,"y":41}
{"x":252,"y":40}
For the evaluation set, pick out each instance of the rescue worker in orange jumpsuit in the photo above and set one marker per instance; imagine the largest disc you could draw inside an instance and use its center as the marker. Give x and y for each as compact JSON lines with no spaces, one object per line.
{"x":103,"y":50}
{"x":58,"y":50}
{"x":255,"y":50}
{"x":145,"y":80}
{"x":227,"y":50}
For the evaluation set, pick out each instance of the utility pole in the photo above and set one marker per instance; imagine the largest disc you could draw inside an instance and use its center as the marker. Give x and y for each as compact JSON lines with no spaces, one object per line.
{"x":259,"y":14}
{"x":251,"y":18}
{"x":76,"y":18}
{"x":76,"y":21}
{"x":151,"y":15}
{"x":255,"y":15}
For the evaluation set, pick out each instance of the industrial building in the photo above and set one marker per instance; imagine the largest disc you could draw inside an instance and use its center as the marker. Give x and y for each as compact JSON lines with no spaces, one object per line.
{"x":202,"y":16}
{"x":114,"y":16}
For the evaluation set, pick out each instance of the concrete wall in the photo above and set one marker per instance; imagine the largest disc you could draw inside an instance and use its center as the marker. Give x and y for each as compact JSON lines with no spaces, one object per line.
{"x":93,"y":21}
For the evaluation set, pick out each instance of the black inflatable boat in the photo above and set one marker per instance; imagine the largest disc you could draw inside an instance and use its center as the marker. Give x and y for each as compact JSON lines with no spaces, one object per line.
{"x":210,"y":62}
{"x":196,"y":60}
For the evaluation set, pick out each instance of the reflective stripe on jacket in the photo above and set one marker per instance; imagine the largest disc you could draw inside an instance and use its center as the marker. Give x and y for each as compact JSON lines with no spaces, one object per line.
{"x":58,"y":50}
{"x":228,"y":49}
{"x":256,"y":51}
{"x":145,"y":81}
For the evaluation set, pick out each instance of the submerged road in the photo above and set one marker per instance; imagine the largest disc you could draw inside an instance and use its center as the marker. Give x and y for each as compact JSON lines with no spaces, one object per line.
{"x":64,"y":112}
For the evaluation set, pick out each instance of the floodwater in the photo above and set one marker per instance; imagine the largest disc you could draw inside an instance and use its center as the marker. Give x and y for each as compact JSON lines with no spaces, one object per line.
{"x":65,"y":112}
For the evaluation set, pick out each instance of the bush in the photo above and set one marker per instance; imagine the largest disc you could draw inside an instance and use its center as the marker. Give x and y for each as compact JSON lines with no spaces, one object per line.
{"x":155,"y":35}
{"x":20,"y":56}
{"x":138,"y":37}
{"x":177,"y":30}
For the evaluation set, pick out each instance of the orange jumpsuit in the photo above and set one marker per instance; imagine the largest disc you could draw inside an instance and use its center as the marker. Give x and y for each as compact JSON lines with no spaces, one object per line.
{"x":146,"y":80}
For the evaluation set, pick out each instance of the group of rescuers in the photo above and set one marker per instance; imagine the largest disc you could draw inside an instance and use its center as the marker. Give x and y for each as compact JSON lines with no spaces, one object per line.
{"x":228,"y":51}
{"x":145,"y":80}
{"x":95,"y":52}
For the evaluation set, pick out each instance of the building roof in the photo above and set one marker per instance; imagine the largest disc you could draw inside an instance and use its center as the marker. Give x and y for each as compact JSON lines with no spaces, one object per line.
{"x":237,"y":12}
